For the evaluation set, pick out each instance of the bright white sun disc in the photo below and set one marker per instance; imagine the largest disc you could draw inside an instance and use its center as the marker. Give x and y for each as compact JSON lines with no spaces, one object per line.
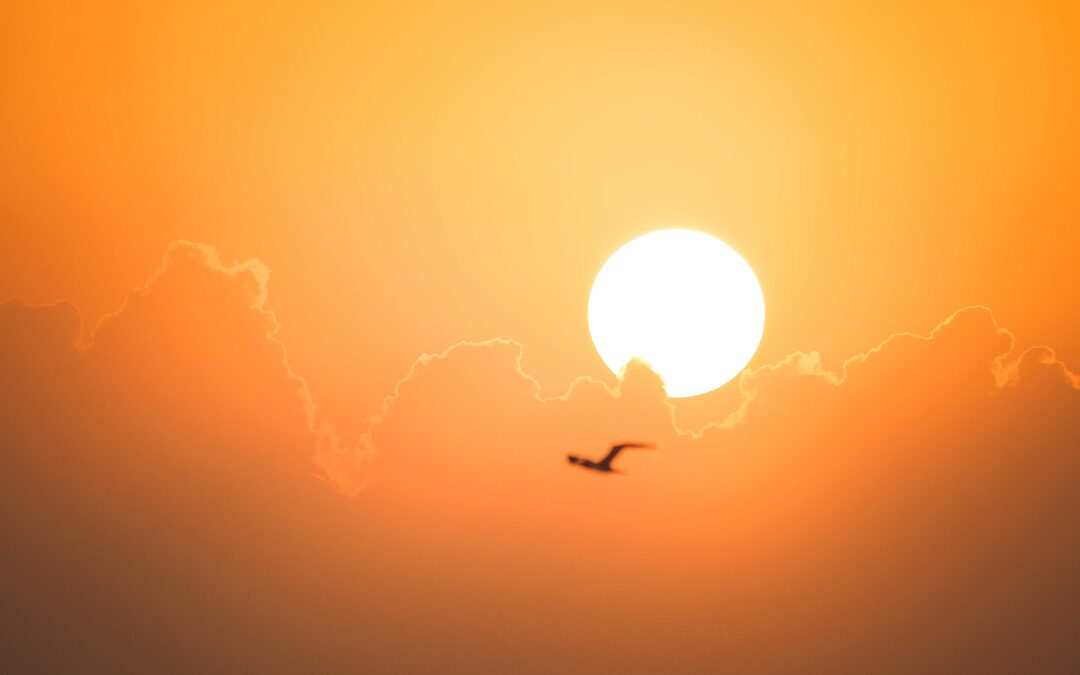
{"x":684,"y":302}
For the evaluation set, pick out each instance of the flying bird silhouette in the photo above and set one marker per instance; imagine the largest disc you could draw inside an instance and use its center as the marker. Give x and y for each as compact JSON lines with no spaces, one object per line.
{"x":604,"y":464}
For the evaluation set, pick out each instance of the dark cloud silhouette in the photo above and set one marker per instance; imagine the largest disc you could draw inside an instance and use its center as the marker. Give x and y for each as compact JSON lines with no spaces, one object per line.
{"x":162,"y":508}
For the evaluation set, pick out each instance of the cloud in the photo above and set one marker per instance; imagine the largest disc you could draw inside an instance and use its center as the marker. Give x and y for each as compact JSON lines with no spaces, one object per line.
{"x":967,"y":356}
{"x":148,"y":471}
{"x":208,"y":320}
{"x":847,"y":515}
{"x":914,"y":510}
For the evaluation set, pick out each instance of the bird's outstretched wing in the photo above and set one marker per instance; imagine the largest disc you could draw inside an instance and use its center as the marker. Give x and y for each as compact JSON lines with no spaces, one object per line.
{"x":616,"y":449}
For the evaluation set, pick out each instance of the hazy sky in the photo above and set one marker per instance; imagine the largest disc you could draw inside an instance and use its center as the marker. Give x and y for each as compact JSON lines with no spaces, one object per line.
{"x":419,"y":174}
{"x":447,"y":179}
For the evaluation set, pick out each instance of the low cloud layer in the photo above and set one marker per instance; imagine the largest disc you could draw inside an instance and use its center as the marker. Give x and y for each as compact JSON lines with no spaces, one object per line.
{"x":172,"y":502}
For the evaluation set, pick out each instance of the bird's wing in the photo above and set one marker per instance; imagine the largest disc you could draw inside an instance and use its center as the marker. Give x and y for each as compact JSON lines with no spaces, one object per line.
{"x":616,"y":449}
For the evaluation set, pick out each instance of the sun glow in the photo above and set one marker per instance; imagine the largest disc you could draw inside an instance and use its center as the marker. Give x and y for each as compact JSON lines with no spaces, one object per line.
{"x":684,"y":302}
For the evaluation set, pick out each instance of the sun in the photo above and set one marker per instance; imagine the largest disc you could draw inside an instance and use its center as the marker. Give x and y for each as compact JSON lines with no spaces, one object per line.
{"x":684,"y":302}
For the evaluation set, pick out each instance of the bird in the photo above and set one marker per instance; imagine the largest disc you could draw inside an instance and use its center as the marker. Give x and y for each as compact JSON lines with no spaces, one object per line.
{"x":604,"y":465}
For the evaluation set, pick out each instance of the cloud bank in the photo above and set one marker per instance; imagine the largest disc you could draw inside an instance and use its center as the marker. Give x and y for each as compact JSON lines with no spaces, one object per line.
{"x":163,"y":511}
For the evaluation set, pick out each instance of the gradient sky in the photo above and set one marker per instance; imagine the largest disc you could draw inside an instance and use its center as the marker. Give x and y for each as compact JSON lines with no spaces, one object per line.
{"x":419,"y":174}
{"x":424,"y":178}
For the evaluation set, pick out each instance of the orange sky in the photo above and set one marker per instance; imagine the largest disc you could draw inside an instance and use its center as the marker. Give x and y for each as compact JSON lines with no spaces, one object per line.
{"x":416,"y":175}
{"x":420,"y":174}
